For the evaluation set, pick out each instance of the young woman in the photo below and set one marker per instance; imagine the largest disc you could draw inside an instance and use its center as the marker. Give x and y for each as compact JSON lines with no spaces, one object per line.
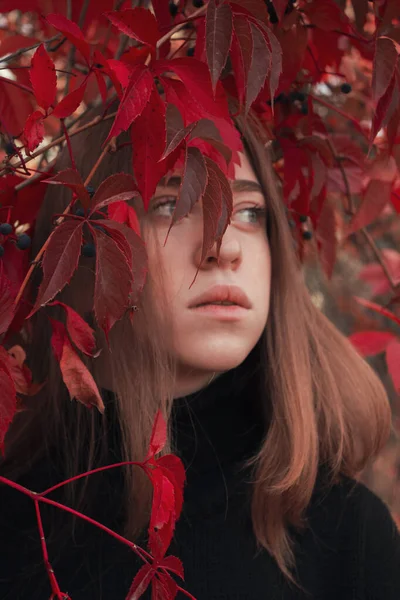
{"x":270,"y":408}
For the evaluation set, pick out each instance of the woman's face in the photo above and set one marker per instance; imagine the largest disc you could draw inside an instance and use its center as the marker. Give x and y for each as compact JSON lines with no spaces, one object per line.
{"x":206,"y":342}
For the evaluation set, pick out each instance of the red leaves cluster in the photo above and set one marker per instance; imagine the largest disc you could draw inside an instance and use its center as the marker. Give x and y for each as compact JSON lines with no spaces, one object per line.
{"x":273,"y":58}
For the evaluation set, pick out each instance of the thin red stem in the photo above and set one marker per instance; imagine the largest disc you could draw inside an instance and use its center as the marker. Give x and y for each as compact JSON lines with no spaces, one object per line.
{"x":65,"y":130}
{"x":53,"y":581}
{"x":87,"y":473}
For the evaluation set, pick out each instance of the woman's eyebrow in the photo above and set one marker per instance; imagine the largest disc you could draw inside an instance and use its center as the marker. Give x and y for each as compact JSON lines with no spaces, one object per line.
{"x":238,"y":185}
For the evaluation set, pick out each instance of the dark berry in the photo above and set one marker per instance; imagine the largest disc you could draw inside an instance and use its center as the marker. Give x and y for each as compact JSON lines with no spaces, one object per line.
{"x":190,"y":51}
{"x":345,"y":88}
{"x":80,"y":212}
{"x":173,"y":9}
{"x":304,"y":108}
{"x":6,"y":228}
{"x":303,"y":218}
{"x":10,"y":148}
{"x":198,"y":3}
{"x":296,"y":95}
{"x":307,"y":235}
{"x":89,"y":250}
{"x":273,"y":17}
{"x":1,"y":251}
{"x":90,"y":190}
{"x":24,"y":241}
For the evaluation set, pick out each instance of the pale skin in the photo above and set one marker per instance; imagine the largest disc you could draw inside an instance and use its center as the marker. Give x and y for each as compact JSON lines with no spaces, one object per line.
{"x":206,"y":345}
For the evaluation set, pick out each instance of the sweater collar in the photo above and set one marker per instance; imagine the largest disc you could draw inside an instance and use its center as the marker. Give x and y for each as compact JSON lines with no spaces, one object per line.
{"x":221,"y":424}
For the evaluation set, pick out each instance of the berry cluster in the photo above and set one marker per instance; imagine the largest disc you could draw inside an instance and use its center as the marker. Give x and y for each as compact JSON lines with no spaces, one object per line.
{"x":23,"y":241}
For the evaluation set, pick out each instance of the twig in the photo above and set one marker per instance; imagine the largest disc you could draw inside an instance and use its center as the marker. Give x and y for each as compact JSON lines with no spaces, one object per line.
{"x":61,"y":139}
{"x":344,"y":177}
{"x":23,"y":50}
{"x":21,"y":86}
{"x":66,"y":211}
{"x":341,"y":113}
{"x":179,"y":26}
{"x":55,"y":588}
{"x":73,"y":164}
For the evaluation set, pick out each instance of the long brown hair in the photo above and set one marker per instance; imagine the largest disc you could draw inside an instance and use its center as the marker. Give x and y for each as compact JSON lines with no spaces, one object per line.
{"x":323,"y":403}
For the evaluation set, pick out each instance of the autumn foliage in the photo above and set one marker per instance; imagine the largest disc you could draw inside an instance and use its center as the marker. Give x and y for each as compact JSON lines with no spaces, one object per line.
{"x":321,"y":76}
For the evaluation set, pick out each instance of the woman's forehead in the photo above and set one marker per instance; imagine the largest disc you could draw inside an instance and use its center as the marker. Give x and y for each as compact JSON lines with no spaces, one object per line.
{"x":243,"y":171}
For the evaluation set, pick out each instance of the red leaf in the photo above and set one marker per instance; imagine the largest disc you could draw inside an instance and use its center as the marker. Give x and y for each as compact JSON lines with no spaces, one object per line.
{"x":378,"y":308}
{"x":227,"y":201}
{"x":34,"y":130}
{"x":193,"y":185}
{"x":148,"y":135}
{"x":175,"y":130}
{"x":138,"y":23}
{"x":218,"y":38}
{"x":212,"y":208}
{"x":280,"y":7}
{"x":76,"y":376}
{"x":158,"y":435}
{"x":71,"y":32}
{"x":174,"y":564}
{"x":326,"y":15}
{"x":7,"y":307}
{"x":124,"y":213}
{"x":196,"y":77}
{"x":252,"y":7}
{"x":8,"y":399}
{"x":241,"y":54}
{"x":261,"y":63}
{"x":116,"y":188}
{"x":371,"y":342}
{"x":15,"y":107}
{"x":163,"y":587}
{"x":162,"y":520}
{"x":174,"y":469}
{"x":393,"y":363}
{"x":134,"y":100}
{"x":71,"y":179}
{"x":69,"y":103}
{"x":20,"y":373}
{"x":79,"y":331}
{"x":385,"y":60}
{"x":119,"y":73}
{"x":43,"y":78}
{"x":113,"y":281}
{"x":376,"y":196}
{"x":137,"y":259}
{"x":60,"y":260}
{"x":141,"y":582}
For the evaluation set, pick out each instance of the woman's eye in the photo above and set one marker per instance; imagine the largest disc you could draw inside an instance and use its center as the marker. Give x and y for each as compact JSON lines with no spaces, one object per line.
{"x":258,"y":213}
{"x":162,"y":208}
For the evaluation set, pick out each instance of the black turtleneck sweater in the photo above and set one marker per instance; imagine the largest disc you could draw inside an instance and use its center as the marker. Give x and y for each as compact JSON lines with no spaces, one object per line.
{"x":351,"y":550}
